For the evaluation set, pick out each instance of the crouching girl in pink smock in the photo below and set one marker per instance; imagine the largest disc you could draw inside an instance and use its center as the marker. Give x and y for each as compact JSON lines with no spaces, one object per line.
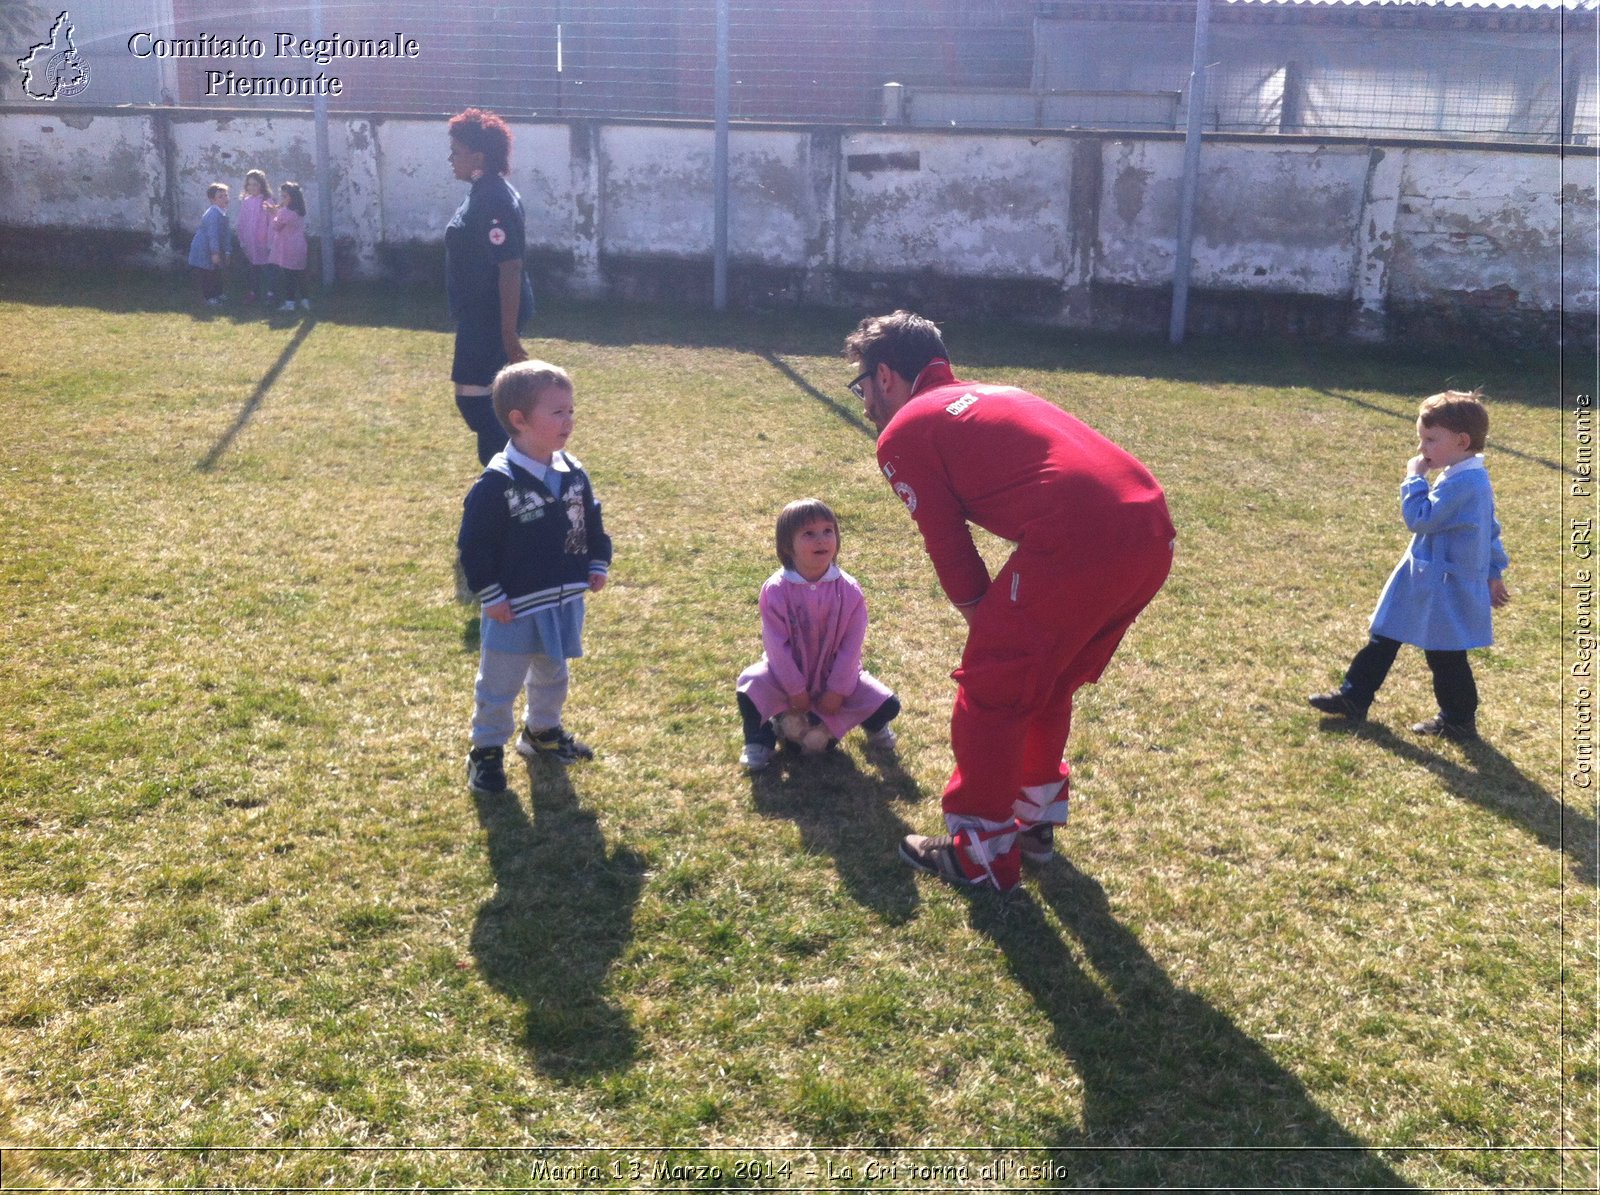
{"x":813,"y":623}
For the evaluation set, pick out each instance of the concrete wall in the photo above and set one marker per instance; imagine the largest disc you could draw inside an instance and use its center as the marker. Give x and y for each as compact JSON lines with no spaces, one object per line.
{"x":1335,"y":239}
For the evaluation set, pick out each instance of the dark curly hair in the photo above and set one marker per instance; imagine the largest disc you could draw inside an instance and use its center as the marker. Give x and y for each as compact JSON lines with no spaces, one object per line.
{"x":485,"y":133}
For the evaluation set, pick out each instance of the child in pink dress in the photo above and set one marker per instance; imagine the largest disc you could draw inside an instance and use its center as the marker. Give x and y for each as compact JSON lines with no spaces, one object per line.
{"x":813,"y":625}
{"x":288,"y":252}
{"x":255,"y":222}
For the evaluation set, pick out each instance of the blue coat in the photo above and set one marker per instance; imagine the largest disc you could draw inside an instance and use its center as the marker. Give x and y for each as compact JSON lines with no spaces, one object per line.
{"x":1437,"y":597}
{"x":211,"y":237}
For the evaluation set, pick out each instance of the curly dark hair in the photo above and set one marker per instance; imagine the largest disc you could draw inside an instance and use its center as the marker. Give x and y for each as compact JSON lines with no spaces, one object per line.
{"x":485,"y":133}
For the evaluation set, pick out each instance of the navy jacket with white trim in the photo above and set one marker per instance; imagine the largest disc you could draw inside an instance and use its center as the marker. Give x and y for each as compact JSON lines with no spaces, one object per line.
{"x":521,"y":542}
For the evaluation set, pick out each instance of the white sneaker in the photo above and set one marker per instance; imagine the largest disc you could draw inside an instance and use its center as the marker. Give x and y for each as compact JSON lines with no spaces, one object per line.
{"x":305,"y":304}
{"x":883,"y":739}
{"x":288,"y":305}
{"x":755,"y":757}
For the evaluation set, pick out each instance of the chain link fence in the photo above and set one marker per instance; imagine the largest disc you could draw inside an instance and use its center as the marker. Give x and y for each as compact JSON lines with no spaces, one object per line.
{"x":1515,"y":74}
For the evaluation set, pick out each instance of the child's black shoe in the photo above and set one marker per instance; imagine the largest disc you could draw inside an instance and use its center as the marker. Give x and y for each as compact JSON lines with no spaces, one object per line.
{"x":1442,"y":727}
{"x":1335,"y":702}
{"x":486,"y":771}
{"x":554,"y":743}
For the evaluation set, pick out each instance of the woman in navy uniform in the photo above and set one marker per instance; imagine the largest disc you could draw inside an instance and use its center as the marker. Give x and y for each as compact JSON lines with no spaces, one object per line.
{"x":491,"y":297}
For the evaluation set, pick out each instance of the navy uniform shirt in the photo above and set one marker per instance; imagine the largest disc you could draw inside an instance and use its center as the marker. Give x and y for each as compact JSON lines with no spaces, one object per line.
{"x":487,"y":229}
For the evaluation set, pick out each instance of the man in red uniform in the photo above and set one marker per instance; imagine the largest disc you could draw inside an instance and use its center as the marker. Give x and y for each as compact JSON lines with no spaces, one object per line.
{"x":1093,"y":546}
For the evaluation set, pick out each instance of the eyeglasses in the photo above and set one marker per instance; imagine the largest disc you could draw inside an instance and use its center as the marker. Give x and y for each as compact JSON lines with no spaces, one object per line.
{"x":855,"y":386}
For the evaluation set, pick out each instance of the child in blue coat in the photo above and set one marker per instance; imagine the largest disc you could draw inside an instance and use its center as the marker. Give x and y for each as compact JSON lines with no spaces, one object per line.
{"x":208,"y":252}
{"x":1439,"y":596}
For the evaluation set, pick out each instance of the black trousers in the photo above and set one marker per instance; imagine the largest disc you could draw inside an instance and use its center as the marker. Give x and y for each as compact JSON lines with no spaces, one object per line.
{"x":478,"y":411}
{"x":1453,"y":686}
{"x":758,"y":730}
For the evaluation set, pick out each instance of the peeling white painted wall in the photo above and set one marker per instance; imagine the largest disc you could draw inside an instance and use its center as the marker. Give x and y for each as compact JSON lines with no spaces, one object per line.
{"x":974,"y":205}
{"x":1280,"y":222}
{"x":78,"y":169}
{"x":1371,"y":225}
{"x":1468,"y":224}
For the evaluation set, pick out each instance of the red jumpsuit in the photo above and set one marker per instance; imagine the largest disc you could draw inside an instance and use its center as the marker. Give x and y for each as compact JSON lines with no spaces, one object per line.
{"x":1093,"y":546}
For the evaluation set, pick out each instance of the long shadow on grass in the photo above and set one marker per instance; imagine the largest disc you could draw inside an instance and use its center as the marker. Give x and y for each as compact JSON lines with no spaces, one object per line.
{"x":561,"y":913}
{"x":257,"y":396}
{"x":1174,"y":1094}
{"x":1494,"y":783}
{"x":844,"y":813}
{"x":833,"y":406}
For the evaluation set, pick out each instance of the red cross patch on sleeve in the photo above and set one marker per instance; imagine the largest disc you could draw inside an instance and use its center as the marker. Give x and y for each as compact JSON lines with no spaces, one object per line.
{"x":497,"y":235}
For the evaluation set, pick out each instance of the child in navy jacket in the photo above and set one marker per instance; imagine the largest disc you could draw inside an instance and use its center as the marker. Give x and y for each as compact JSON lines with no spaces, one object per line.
{"x":1440,"y":594}
{"x":532,"y":545}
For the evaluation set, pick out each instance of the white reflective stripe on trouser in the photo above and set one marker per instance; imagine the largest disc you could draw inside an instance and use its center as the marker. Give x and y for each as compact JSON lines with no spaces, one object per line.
{"x":983,"y":841}
{"x":1042,"y":804}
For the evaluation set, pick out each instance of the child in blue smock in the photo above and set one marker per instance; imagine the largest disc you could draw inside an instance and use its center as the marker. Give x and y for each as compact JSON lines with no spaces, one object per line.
{"x":1439,"y":596}
{"x":208,"y":252}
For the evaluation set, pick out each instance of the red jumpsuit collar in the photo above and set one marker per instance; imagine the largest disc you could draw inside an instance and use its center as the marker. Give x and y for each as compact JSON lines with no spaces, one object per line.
{"x":934,"y":374}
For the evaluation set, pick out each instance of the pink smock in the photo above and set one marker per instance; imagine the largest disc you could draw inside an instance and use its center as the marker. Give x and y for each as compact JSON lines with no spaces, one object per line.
{"x":288,"y":240}
{"x":813,"y":632}
{"x":254,"y":229}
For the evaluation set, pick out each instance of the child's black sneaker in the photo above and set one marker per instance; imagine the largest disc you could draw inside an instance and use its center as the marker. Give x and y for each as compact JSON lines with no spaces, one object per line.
{"x":554,"y":743}
{"x":1442,"y":727}
{"x":486,"y":771}
{"x":1335,"y":702}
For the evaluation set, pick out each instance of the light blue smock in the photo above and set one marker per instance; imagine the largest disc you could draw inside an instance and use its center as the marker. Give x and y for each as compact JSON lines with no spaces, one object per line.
{"x":1437,"y":598}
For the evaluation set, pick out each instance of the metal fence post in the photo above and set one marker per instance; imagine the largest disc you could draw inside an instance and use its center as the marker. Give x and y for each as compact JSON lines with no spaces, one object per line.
{"x":319,"y":116}
{"x":719,"y":167}
{"x":1191,"y":172}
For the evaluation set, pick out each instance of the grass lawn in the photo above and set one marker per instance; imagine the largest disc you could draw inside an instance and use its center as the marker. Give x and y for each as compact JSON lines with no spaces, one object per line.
{"x":247,"y":905}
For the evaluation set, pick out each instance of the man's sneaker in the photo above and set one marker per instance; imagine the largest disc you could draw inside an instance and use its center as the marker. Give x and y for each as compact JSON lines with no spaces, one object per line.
{"x":937,"y":857}
{"x":1336,"y":703}
{"x":1037,"y":843}
{"x":883,"y":739}
{"x":486,"y":771}
{"x":554,"y":743}
{"x":1456,"y":732}
{"x":755,"y":757}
